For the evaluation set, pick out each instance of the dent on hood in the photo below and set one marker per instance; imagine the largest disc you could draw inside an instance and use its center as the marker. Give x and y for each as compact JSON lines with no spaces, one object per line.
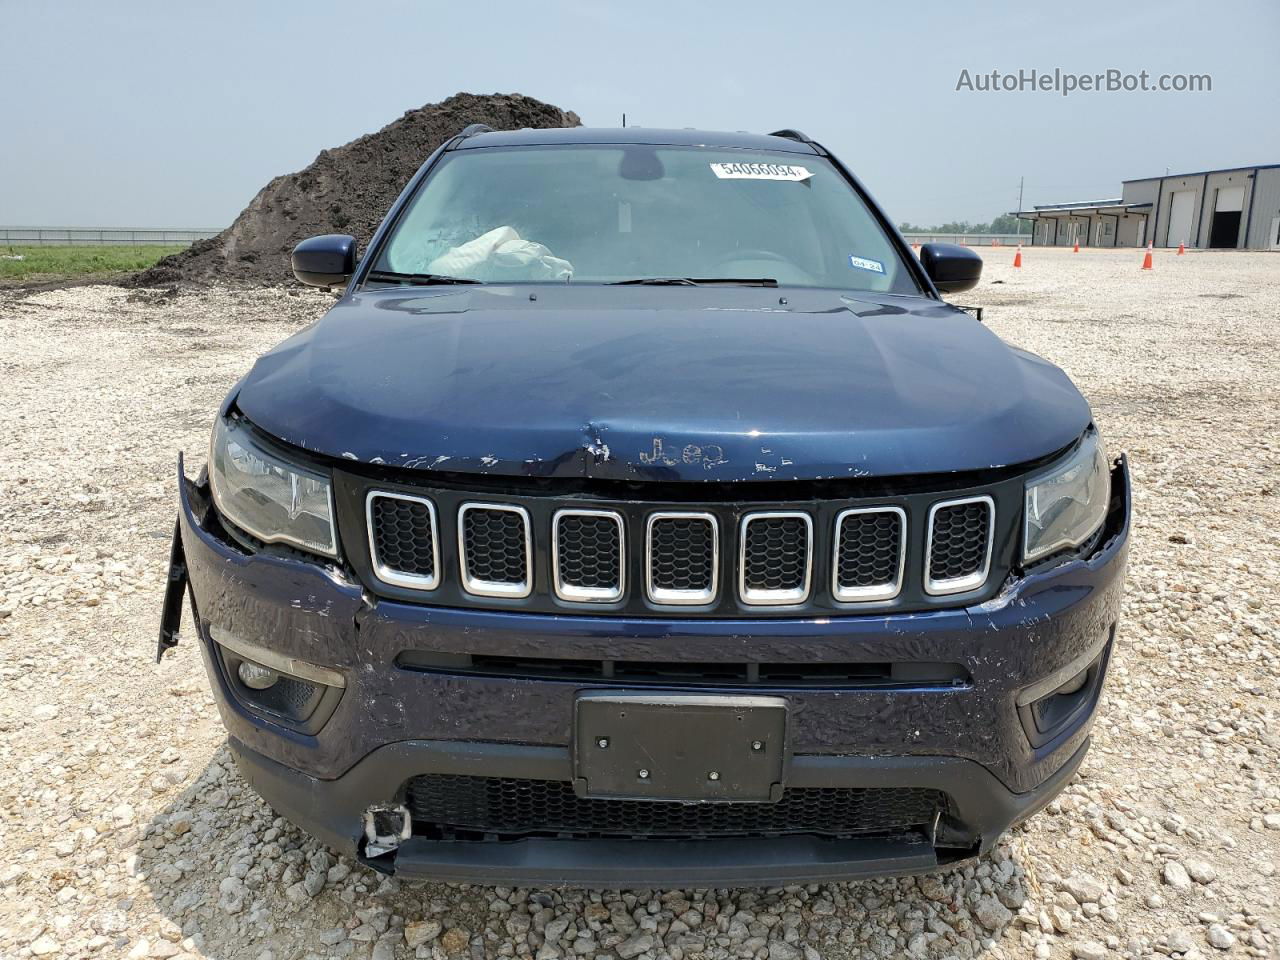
{"x":848,"y":388}
{"x":593,"y":450}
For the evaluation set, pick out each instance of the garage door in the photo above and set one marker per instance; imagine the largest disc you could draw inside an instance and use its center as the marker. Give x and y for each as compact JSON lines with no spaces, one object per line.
{"x":1224,"y":233}
{"x":1182,"y":210}
{"x":1229,"y":199}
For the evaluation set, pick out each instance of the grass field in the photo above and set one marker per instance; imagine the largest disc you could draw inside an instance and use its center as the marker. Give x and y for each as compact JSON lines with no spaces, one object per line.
{"x":50,"y":264}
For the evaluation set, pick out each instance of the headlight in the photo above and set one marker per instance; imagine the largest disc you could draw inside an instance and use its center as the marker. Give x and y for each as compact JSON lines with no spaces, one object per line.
{"x":276,"y":501}
{"x":1067,"y":505}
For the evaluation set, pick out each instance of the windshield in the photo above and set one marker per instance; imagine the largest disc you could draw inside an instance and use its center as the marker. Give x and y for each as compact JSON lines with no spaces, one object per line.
{"x":610,"y":214}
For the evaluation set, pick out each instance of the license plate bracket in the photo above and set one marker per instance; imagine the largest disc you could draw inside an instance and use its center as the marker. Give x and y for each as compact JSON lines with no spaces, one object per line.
{"x":680,"y":746}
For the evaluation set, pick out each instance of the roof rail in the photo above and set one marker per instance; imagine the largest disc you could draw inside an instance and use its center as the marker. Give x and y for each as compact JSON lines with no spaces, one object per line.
{"x":792,"y":135}
{"x":472,"y":129}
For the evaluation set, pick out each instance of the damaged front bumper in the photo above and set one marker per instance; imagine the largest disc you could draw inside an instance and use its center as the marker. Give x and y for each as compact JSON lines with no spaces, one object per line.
{"x":983,"y":741}
{"x":334,"y":811}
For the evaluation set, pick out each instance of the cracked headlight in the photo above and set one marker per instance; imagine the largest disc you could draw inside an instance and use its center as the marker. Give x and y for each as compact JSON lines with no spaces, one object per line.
{"x":1067,"y":504}
{"x":274,"y":500}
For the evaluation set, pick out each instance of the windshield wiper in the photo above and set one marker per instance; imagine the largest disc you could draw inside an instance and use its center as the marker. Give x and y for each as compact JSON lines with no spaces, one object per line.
{"x":697,"y":281}
{"x":418,"y":279}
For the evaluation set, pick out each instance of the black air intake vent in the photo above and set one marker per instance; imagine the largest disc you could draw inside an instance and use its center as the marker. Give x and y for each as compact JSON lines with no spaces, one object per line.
{"x":496,"y":550}
{"x":777,"y":555}
{"x":589,"y":556}
{"x":959,"y":551}
{"x":403,"y":540}
{"x":683,"y":557}
{"x":501,"y":807}
{"x":869,"y":554}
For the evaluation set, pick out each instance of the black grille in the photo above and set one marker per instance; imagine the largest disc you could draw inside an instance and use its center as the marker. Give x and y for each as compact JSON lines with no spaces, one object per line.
{"x":776,"y":553}
{"x":495,"y":546}
{"x":682,"y":552}
{"x":855,"y":676}
{"x":959,"y":544}
{"x":448,"y":804}
{"x":588,"y":551}
{"x":870,"y":546}
{"x":403,"y":538}
{"x":636,"y":557}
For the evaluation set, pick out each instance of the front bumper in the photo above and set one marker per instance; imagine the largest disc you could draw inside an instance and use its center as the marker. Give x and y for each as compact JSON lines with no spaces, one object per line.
{"x":971,"y":740}
{"x":328,"y":809}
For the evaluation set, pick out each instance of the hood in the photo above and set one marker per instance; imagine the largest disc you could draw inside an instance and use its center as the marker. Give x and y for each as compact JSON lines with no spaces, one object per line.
{"x":660,"y":383}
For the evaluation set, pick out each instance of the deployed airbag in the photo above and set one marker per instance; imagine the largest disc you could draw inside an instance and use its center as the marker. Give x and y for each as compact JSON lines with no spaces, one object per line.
{"x":501,"y":254}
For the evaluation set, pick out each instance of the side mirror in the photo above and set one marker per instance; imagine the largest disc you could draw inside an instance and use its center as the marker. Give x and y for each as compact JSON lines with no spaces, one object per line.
{"x":326,"y":261}
{"x":951,"y":268}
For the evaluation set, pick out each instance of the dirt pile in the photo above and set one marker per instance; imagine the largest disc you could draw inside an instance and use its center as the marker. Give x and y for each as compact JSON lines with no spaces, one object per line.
{"x":345,"y":190}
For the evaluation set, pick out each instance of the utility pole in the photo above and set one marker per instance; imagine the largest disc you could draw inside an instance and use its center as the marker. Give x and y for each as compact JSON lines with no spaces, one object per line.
{"x":1020,"y":182}
{"x":624,"y":120}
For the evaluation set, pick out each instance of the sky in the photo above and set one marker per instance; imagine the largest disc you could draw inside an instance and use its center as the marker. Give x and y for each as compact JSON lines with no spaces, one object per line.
{"x":174,"y":114}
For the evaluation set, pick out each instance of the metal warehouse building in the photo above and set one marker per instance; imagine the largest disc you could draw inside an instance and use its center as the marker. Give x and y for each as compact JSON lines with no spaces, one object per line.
{"x":1231,"y":209}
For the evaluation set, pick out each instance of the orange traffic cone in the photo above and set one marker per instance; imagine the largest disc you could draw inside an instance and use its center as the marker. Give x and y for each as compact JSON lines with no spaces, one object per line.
{"x":1017,"y":258}
{"x":1182,"y":248}
{"x":1076,"y":248}
{"x":1146,"y":261}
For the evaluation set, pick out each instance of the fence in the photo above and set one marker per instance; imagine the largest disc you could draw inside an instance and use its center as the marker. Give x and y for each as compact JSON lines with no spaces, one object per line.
{"x":98,"y":236}
{"x":970,"y":239}
{"x":32,"y":236}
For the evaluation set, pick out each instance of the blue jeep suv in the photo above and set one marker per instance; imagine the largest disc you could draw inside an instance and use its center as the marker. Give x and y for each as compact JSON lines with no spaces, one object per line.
{"x":641,"y":515}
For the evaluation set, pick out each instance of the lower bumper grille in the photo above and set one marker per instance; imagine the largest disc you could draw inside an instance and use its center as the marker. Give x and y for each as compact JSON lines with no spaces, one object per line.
{"x":450,"y":805}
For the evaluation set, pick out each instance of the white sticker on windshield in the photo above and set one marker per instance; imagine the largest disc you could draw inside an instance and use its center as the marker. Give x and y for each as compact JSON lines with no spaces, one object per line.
{"x":760,"y":171}
{"x":862,"y":263}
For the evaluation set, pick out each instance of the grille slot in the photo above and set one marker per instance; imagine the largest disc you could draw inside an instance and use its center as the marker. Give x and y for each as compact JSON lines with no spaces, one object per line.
{"x":500,"y":807}
{"x":958,"y":556}
{"x":495,"y":549}
{"x":588,"y":555}
{"x":870,"y":552}
{"x":682,"y":557}
{"x":404,"y":542}
{"x":776,"y":558}
{"x":729,"y":673}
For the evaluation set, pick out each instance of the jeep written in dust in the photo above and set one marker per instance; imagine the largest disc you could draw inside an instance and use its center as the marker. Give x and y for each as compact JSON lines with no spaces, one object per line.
{"x":641,"y":515}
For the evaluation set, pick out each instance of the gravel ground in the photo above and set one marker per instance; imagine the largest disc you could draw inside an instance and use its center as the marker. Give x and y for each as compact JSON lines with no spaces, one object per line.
{"x":126,"y":832}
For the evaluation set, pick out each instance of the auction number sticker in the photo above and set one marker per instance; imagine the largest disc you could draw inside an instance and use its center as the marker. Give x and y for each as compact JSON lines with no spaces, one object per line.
{"x":864,"y":263}
{"x":760,"y":171}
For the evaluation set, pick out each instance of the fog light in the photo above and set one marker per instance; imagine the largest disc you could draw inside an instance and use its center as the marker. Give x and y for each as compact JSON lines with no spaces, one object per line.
{"x":256,"y":677}
{"x":1073,"y":685}
{"x":275,"y":663}
{"x":1063,"y":700}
